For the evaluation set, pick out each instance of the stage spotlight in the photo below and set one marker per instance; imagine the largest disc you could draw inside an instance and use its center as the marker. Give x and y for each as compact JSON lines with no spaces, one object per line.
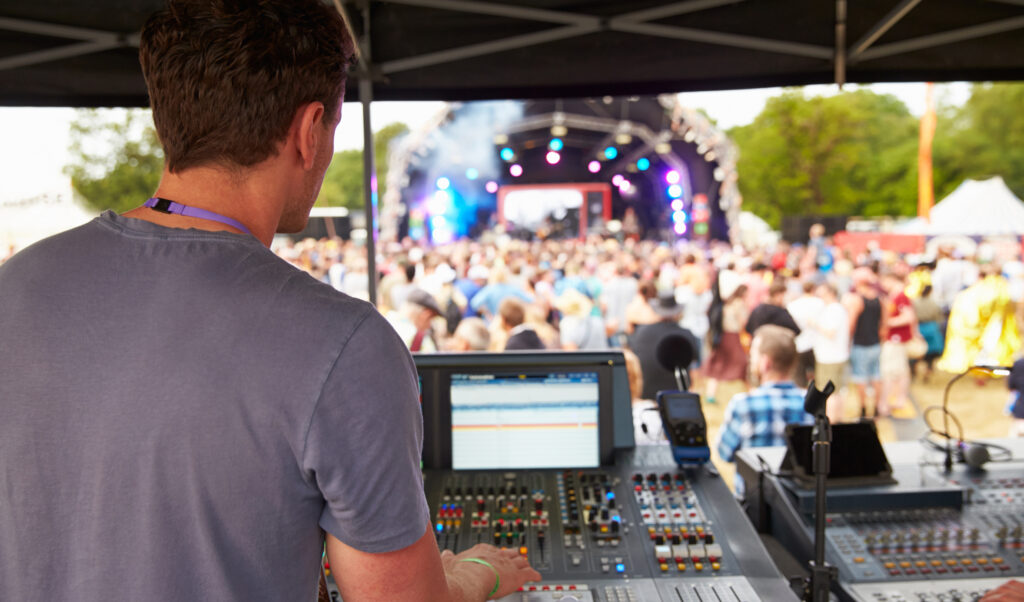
{"x":594,"y":166}
{"x":500,"y":139}
{"x":679,"y":216}
{"x":680,"y":228}
{"x":443,"y":183}
{"x":643,"y":163}
{"x":617,"y":179}
{"x":439,"y":203}
{"x":672,"y":177}
{"x":611,"y":152}
{"x":623,"y":139}
{"x":677,"y":205}
{"x":559,"y":130}
{"x":508,"y":154}
{"x":556,"y":144}
{"x":663,"y":148}
{"x":552,"y":158}
{"x":472,"y":173}
{"x":516,"y":170}
{"x":719,"y":174}
{"x":491,"y":187}
{"x":675,"y":191}
{"x":625,"y":185}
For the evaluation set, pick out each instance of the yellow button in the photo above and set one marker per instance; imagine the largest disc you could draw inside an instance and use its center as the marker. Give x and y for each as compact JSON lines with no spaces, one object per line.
{"x":699,"y":566}
{"x":920,"y":563}
{"x":650,"y":530}
{"x":604,"y":528}
{"x":983,"y":561}
{"x":998,"y":560}
{"x":890,"y":565}
{"x":700,"y":529}
{"x":715,"y":566}
{"x":951,"y":562}
{"x":664,"y":567}
{"x":905,"y":564}
{"x":668,"y":529}
{"x":936,"y":563}
{"x":681,"y":566}
{"x":523,"y":550}
{"x":966,"y":561}
{"x":859,"y":560}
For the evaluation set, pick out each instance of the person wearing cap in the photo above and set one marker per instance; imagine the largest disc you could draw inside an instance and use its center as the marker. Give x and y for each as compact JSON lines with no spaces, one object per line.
{"x":413,"y":321}
{"x":646,"y":338}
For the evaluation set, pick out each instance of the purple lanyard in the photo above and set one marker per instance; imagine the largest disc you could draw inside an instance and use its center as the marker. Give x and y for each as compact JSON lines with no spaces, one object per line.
{"x":169,"y":206}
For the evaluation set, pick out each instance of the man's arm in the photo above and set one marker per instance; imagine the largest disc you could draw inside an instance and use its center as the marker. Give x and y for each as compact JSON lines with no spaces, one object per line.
{"x":419,"y":572}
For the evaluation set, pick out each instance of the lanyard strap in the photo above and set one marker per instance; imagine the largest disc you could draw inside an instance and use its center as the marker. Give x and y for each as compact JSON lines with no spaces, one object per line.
{"x":169,"y":206}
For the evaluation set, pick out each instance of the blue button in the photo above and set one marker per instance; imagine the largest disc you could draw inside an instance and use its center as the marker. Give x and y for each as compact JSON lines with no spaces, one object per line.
{"x":440,"y":527}
{"x":620,"y":568}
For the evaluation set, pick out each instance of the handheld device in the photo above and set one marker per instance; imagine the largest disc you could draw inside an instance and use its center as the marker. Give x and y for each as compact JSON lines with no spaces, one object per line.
{"x":685,"y":427}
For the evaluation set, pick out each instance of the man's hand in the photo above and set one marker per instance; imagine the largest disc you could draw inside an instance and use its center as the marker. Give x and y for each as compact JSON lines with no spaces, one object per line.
{"x":513,"y":568}
{"x":1011,"y":591}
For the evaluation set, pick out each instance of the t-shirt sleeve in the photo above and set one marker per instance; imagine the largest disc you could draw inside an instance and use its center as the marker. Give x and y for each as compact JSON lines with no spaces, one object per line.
{"x":364,"y":443}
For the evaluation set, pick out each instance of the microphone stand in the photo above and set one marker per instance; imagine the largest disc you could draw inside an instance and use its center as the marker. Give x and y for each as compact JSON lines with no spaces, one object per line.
{"x":816,"y":589}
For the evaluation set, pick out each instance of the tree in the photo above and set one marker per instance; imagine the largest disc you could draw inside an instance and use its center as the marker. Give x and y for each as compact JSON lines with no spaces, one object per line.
{"x":852,"y":153}
{"x":116,"y":159}
{"x":343,"y":183}
{"x":981,"y":139}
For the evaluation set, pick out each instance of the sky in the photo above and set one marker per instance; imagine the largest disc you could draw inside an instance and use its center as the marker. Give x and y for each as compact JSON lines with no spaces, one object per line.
{"x":34,"y":141}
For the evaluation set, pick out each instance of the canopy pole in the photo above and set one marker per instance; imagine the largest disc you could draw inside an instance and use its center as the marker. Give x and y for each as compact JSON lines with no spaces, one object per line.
{"x":840,"y":56}
{"x":369,"y":171}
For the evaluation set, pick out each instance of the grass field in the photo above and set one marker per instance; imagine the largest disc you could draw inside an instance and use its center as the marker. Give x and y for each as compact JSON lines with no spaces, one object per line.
{"x":978,"y":404}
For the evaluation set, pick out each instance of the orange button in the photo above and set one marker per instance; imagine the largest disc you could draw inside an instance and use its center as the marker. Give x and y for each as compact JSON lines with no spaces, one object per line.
{"x":998,"y":560}
{"x":920,"y":563}
{"x":859,"y":560}
{"x":699,"y":566}
{"x":681,"y":566}
{"x":715,"y":566}
{"x":890,"y":565}
{"x":966,"y":561}
{"x":983,"y":561}
{"x":936,"y":563}
{"x":523,"y":550}
{"x":905,"y":564}
{"x":664,"y":567}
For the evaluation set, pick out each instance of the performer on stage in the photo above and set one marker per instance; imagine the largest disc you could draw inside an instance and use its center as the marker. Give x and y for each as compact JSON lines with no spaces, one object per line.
{"x":183,"y":415}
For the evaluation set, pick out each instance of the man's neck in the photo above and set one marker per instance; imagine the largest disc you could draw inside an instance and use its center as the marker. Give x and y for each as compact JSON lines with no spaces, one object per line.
{"x":775,"y":379}
{"x":249,"y":197}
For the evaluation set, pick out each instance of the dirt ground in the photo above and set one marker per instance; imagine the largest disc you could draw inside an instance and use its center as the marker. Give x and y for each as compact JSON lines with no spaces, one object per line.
{"x":979,"y":404}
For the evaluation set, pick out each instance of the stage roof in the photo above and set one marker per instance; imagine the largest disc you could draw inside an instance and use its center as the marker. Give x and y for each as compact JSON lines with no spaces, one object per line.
{"x":55,"y":53}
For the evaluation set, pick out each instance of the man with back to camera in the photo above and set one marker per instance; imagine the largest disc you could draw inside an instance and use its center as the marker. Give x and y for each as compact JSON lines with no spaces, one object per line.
{"x":759,"y":417}
{"x":187,"y":414}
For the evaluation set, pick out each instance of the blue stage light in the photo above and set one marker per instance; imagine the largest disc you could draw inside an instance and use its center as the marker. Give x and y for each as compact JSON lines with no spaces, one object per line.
{"x":611,"y":152}
{"x":643,"y":163}
{"x":508,"y":154}
{"x":472,"y":173}
{"x":675,"y":191}
{"x":555,"y":144}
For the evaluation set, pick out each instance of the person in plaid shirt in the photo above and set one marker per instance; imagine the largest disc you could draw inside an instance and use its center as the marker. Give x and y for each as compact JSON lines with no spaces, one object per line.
{"x":759,"y":417}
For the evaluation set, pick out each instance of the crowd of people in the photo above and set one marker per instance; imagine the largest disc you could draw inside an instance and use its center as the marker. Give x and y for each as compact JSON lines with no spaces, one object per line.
{"x":868,"y":321}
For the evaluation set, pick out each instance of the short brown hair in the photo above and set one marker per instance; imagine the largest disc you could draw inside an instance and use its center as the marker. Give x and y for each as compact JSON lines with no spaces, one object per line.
{"x":777,"y":343}
{"x":512,"y":312}
{"x":225,"y":77}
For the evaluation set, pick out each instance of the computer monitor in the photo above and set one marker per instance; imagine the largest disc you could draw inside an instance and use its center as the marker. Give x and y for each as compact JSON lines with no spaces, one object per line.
{"x":525,"y":419}
{"x":522,"y":410}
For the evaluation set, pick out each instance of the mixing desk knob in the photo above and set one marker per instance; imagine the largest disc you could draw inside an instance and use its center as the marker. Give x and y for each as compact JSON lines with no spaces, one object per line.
{"x":709,"y":537}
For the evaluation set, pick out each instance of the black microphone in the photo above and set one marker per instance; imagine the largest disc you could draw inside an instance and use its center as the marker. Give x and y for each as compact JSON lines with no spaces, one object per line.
{"x":814,"y":402}
{"x":675,"y":353}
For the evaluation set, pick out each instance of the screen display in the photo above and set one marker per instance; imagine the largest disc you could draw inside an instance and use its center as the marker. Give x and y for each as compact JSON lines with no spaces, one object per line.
{"x":684,"y":407}
{"x":525,"y":420}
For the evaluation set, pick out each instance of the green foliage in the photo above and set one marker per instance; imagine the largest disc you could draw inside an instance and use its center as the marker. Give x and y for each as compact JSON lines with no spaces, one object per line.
{"x":343,"y":183}
{"x":981,"y":139}
{"x":116,"y":160}
{"x":852,"y":153}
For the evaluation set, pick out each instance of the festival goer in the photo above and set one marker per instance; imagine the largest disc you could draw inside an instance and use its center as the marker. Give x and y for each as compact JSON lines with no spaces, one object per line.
{"x":831,"y":346}
{"x":208,"y":412}
{"x":579,"y":328}
{"x":615,"y":299}
{"x":512,"y":320}
{"x":982,"y":328}
{"x":413,"y":321}
{"x":759,"y":417}
{"x":1015,"y":383}
{"x":804,"y":309}
{"x":772,"y":310}
{"x":728,"y":359}
{"x":645,"y":340}
{"x":470,"y":335}
{"x":639,"y":311}
{"x":929,"y":323}
{"x":865,"y":309}
{"x":900,"y":326}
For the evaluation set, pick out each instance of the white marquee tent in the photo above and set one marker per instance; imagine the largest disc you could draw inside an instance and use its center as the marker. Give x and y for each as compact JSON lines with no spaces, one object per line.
{"x":975,"y":208}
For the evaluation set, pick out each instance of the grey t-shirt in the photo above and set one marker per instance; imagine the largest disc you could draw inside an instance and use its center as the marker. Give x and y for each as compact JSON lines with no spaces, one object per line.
{"x":181,"y":413}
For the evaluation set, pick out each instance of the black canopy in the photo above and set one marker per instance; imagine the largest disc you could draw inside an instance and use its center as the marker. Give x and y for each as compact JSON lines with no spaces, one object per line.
{"x":84,"y":53}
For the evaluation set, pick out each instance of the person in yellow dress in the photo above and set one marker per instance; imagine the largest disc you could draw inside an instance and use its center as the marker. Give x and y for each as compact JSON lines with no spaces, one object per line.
{"x":982,"y":328}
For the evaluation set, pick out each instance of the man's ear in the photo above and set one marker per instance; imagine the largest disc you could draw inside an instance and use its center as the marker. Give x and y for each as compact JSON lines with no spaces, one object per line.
{"x":307,"y":129}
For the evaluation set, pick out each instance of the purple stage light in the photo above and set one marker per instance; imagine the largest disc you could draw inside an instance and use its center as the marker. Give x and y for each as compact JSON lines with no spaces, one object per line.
{"x":553,"y":158}
{"x":491,"y":187}
{"x":672,"y":177}
{"x":516,"y":170}
{"x":594,"y":166}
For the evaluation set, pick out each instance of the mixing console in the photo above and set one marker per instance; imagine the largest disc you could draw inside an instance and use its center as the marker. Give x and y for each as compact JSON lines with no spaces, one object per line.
{"x":630,"y":533}
{"x":923,"y":553}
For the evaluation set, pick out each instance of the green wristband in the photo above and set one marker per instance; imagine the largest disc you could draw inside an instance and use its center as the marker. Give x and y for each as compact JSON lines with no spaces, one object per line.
{"x":497,"y":577}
